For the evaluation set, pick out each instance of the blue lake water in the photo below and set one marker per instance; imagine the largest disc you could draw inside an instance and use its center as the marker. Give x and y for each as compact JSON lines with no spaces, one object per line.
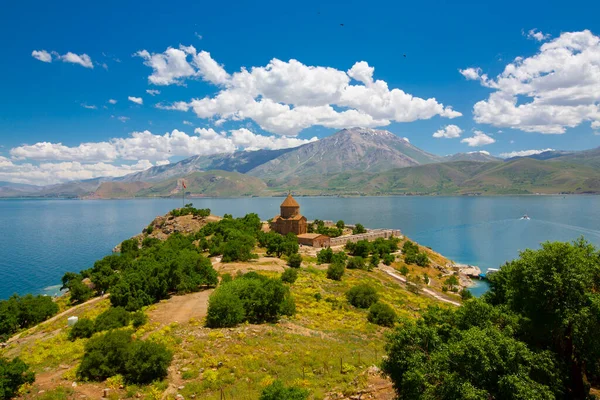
{"x":42,"y":239}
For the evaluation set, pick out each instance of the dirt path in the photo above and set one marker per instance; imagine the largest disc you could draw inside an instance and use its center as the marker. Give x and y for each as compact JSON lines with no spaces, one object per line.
{"x":391,"y":272}
{"x":57,"y":316}
{"x":181,"y":309}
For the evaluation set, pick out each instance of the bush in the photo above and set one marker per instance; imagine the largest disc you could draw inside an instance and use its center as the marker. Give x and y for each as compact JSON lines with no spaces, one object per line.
{"x":335,"y":271}
{"x":277,"y":391}
{"x":374,"y":262}
{"x":340,"y":224}
{"x":362,"y":296}
{"x":113,"y":318}
{"x":466,"y":294}
{"x":150,"y":229}
{"x":146,"y":362}
{"x":105,"y":355}
{"x":226,"y":277}
{"x":83,"y":329}
{"x":356,"y":263}
{"x":114,"y":353}
{"x":358,"y":229}
{"x":382,"y":314}
{"x":404,"y":270}
{"x":289,"y":275}
{"x":388,"y":259}
{"x":225,"y":308}
{"x":252,"y":297}
{"x":139,"y":318}
{"x":295,"y":261}
{"x":324,"y":256}
{"x":13,"y":374}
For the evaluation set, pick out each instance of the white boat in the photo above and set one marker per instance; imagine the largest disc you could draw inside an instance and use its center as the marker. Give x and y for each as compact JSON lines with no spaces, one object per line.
{"x":525,"y":217}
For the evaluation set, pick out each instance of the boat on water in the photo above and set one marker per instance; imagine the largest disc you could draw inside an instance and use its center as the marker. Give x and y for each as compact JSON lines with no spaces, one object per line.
{"x":525,"y":217}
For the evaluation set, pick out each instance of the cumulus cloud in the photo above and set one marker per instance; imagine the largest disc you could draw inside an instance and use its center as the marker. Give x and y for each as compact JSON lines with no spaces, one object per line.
{"x":82,"y":59}
{"x":537,"y":35}
{"x":523,"y":153}
{"x":136,"y":100}
{"x":152,"y":92}
{"x":555,"y":89}
{"x":187,"y":123}
{"x":42,"y":55}
{"x":148,"y":146}
{"x":285,"y":97}
{"x":112,"y":101}
{"x":448,"y":132}
{"x":88,"y":106}
{"x":479,"y":139}
{"x":59,"y":172}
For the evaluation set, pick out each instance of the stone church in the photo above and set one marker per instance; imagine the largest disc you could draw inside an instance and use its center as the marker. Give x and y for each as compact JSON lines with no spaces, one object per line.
{"x":290,"y":219}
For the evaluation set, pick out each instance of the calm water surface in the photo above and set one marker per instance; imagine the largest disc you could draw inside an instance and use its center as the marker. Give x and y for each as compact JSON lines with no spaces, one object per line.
{"x":42,"y":239}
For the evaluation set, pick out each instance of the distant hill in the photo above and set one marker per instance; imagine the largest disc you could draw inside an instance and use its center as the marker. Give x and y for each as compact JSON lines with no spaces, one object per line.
{"x":587,"y":157}
{"x":240,"y":161}
{"x":356,"y":149}
{"x":481,"y":156}
{"x":209,"y":183}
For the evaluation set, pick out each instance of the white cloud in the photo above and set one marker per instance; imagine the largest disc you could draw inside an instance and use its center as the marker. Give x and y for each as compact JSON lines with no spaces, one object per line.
{"x":198,"y":35}
{"x":112,"y":101}
{"x":52,"y":173}
{"x":471,"y":74}
{"x":537,"y":35}
{"x":523,"y":153}
{"x":556,"y":89}
{"x":163,"y":162}
{"x":123,"y":119}
{"x":479,"y":139}
{"x":287,"y":97}
{"x":487,"y":153}
{"x":136,"y":100}
{"x":84,"y":60}
{"x":448,"y":132}
{"x":152,"y":92}
{"x":595,"y":124}
{"x":42,"y":55}
{"x":89,"y":107}
{"x":187,"y":123}
{"x":148,"y":146}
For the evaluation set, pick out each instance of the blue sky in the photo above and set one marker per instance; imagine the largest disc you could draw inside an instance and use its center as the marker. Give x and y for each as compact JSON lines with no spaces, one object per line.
{"x":66,"y":101}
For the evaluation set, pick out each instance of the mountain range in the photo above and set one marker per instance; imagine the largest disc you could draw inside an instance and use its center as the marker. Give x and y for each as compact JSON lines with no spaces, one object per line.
{"x":357,"y":161}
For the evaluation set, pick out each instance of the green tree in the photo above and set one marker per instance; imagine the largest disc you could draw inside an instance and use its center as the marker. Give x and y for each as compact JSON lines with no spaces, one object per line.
{"x":404,"y":270}
{"x":84,"y":328}
{"x":139,"y":318}
{"x":146,"y":362}
{"x":225,"y":308}
{"x":289,"y":275}
{"x":382,"y":314}
{"x":105,"y":355}
{"x":295,"y":261}
{"x":340,"y":224}
{"x":374,"y":262}
{"x":278,"y":391}
{"x":80,"y":292}
{"x":356,"y":263}
{"x":336,"y":270}
{"x":466,"y":294}
{"x":388,"y":259}
{"x":324,"y":256}
{"x":557,"y":290}
{"x":362,"y":296}
{"x":13,"y":374}
{"x":414,"y":283}
{"x":113,"y":318}
{"x":358,"y":229}
{"x":451,"y":281}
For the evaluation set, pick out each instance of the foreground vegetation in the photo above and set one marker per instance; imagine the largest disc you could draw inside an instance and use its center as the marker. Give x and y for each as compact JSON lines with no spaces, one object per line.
{"x":532,"y":336}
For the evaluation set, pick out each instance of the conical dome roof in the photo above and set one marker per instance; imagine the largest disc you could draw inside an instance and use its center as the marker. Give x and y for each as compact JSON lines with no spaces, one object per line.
{"x":290,"y":202}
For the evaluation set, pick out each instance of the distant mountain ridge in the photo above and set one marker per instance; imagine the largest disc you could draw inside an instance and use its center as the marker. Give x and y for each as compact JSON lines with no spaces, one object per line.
{"x":351,"y":161}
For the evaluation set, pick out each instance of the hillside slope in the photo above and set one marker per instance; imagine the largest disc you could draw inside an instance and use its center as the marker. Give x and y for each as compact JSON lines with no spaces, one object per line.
{"x":356,"y":149}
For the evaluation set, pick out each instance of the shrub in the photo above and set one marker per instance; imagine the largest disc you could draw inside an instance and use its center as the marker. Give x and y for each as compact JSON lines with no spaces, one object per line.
{"x":226,"y":278}
{"x":295,"y":260}
{"x":139,"y":318}
{"x":335,"y":271}
{"x":358,"y":229}
{"x":278,"y":391}
{"x":150,"y":229}
{"x":289,"y":275}
{"x":288,"y":306}
{"x":340,"y":224}
{"x":318,"y":296}
{"x":404,"y":270}
{"x":466,"y":294}
{"x":382,"y":314}
{"x":374,"y":262}
{"x":324,"y":256}
{"x":388,"y":259}
{"x":362,"y":296}
{"x":13,"y":374}
{"x":113,"y":318}
{"x":105,"y":355}
{"x":225,"y":308}
{"x":146,"y":362}
{"x":356,"y":263}
{"x":83,"y":329}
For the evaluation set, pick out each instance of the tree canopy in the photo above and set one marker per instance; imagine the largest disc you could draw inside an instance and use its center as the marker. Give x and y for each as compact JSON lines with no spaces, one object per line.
{"x":534,"y":335}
